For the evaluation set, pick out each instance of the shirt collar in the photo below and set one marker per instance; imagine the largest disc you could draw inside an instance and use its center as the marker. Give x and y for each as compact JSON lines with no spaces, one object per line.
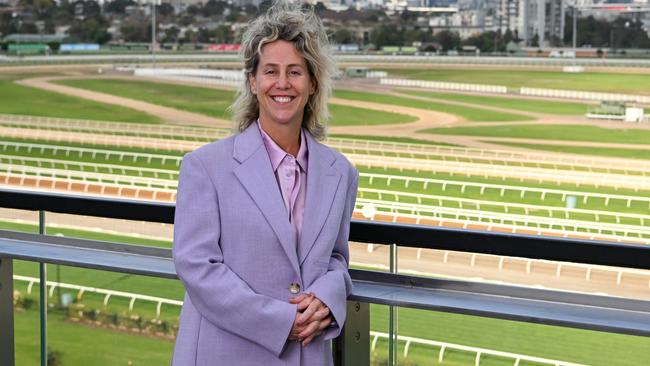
{"x":276,"y":154}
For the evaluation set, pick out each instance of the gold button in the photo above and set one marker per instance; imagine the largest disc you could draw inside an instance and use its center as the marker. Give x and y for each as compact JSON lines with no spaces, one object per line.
{"x":294,"y":288}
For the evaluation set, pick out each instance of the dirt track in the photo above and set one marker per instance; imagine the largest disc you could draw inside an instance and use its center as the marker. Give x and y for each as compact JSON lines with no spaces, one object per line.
{"x":425,"y":119}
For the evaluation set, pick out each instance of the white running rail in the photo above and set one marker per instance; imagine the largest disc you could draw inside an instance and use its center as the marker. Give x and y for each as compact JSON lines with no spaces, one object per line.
{"x":540,"y":175}
{"x":503,"y":189}
{"x":133,"y":297}
{"x":479,"y":352}
{"x":422,"y":214}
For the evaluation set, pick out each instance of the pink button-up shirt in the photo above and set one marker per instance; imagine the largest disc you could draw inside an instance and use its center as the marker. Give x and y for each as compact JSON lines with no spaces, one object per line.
{"x":291,"y":175}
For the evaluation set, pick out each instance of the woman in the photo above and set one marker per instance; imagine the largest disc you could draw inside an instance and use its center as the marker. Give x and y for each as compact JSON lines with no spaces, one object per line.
{"x":262,"y":217}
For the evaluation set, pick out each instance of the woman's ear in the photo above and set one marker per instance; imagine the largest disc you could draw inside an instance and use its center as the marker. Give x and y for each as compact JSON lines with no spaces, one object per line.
{"x":312,"y":86}
{"x":252,"y":83}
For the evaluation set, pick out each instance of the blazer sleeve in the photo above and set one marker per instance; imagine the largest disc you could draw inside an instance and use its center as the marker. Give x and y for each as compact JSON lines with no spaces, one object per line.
{"x":215,"y":290}
{"x":335,"y":286}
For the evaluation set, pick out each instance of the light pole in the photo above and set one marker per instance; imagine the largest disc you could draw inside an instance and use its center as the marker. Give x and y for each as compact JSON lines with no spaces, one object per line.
{"x":575,"y":31}
{"x":153,"y":33}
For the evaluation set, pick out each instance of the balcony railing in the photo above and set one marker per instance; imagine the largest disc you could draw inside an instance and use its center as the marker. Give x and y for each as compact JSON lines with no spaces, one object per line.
{"x":532,"y":305}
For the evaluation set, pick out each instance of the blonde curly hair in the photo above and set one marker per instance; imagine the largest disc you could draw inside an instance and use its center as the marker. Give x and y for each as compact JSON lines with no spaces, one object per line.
{"x":299,"y":25}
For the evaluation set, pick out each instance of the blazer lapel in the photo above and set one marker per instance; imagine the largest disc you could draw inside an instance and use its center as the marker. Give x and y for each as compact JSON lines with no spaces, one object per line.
{"x":256,"y":175}
{"x":322,"y":184}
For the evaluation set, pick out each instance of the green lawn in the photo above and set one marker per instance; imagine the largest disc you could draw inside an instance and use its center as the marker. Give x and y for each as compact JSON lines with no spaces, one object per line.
{"x":18,"y":99}
{"x":470,"y":114}
{"x":211,"y":102}
{"x":83,"y":345}
{"x":406,"y":140}
{"x":608,"y":152}
{"x":589,"y":81}
{"x":347,"y":116}
{"x":215,"y":102}
{"x":518,"y":337}
{"x":111,"y":347}
{"x":552,"y":132}
{"x":520,"y":104}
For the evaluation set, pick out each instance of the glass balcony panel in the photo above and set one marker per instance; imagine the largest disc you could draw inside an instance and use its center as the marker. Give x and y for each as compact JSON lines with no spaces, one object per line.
{"x":19,"y":220}
{"x":26,"y":317}
{"x":379,"y":327}
{"x":94,"y":319}
{"x":565,"y":276}
{"x":113,"y":230}
{"x":374,"y":257}
{"x":432,"y":338}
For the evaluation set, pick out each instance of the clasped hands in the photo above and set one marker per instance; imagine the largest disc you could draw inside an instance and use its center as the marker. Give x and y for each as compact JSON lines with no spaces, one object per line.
{"x":312,"y":318}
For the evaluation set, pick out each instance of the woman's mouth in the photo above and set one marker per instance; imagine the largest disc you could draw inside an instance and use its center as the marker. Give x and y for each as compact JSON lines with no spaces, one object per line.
{"x":282,"y":99}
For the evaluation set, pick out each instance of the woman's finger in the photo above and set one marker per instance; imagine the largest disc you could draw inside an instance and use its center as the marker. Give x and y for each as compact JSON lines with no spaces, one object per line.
{"x":320,"y":314}
{"x":314,"y":306}
{"x":309,"y":330}
{"x":324,"y":323}
{"x":297,"y":299}
{"x":310,"y":338}
{"x":306,"y":301}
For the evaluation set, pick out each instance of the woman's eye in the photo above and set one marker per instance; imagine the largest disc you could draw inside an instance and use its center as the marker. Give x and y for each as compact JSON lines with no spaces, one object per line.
{"x":295,"y":72}
{"x":269,"y":72}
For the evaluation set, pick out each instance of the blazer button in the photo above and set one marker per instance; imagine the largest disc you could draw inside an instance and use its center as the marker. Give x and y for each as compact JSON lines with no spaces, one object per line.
{"x":294,"y":288}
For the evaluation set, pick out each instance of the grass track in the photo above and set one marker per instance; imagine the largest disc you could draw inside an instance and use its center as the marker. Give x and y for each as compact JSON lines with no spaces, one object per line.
{"x":588,"y":81}
{"x":392,"y":139}
{"x":608,"y":152}
{"x":470,"y":114}
{"x":215,"y":102}
{"x":83,"y":345}
{"x":527,"y":105}
{"x":519,"y":337}
{"x":50,"y":104}
{"x":552,"y":132}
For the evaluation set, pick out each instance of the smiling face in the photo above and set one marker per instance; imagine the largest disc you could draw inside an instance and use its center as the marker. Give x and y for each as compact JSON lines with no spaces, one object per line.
{"x":282,"y":85}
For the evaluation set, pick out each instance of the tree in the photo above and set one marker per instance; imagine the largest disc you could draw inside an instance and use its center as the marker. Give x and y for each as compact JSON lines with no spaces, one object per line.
{"x":190,"y":36}
{"x":448,"y":40}
{"x":319,"y":7}
{"x":118,"y":6}
{"x":224,"y":34}
{"x":90,"y":30}
{"x":8,"y":24}
{"x":165,"y":9}
{"x":92,"y":9}
{"x":205,"y":36}
{"x":28,"y":28}
{"x":171,"y":35}
{"x":417,"y":35}
{"x":386,"y":35}
{"x":136,"y":31}
{"x":342,"y":35}
{"x":213,"y":8}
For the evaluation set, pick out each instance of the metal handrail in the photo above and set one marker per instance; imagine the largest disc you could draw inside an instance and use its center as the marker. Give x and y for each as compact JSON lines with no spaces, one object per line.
{"x":533,"y":305}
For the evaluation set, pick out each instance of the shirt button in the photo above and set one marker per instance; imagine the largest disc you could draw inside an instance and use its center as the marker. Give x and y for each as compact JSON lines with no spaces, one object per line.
{"x":294,"y":288}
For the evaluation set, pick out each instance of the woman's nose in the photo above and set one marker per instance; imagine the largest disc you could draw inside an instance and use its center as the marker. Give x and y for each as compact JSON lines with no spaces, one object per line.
{"x":283,"y":81}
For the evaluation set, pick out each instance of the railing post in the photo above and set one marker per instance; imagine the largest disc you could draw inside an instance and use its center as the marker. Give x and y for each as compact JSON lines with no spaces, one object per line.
{"x":6,"y":313}
{"x":392,"y":314}
{"x":352,"y":347}
{"x":43,"y":294}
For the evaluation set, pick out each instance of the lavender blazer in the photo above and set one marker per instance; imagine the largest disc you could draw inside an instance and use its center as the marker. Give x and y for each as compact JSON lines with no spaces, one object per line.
{"x":235,"y":253}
